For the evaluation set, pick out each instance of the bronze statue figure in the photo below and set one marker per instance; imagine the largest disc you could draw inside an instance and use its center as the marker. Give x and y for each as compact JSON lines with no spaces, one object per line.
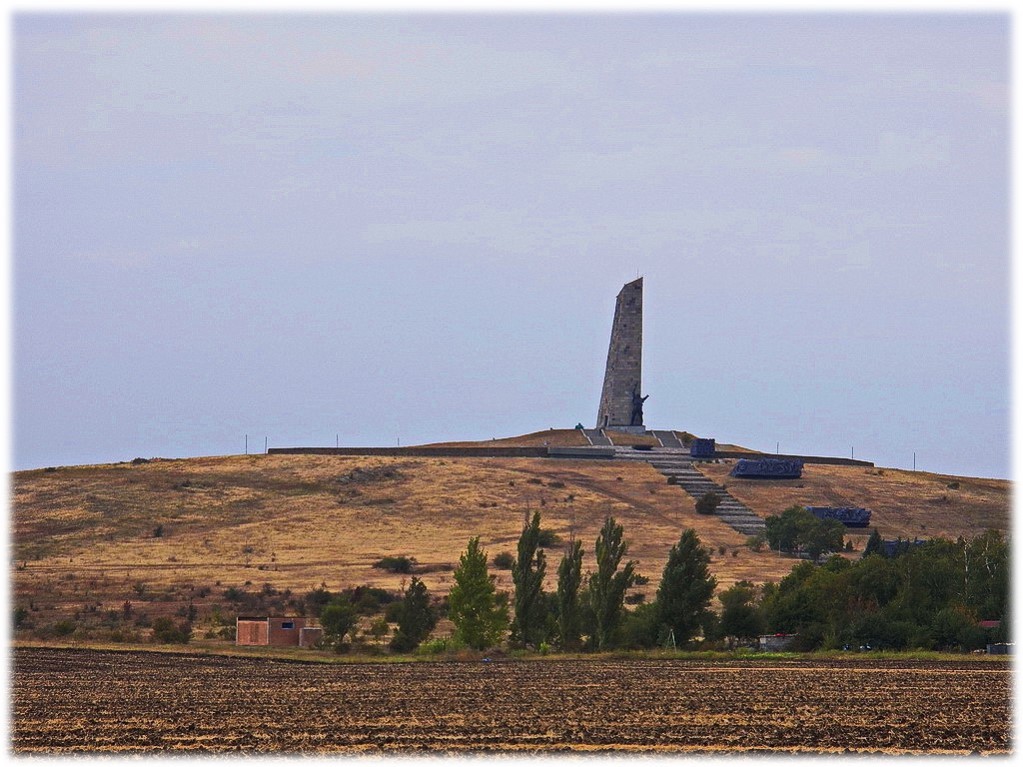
{"x":637,"y":409}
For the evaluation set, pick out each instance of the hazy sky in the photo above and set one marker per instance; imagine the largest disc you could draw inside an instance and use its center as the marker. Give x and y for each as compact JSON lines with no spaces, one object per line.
{"x":414,"y":227}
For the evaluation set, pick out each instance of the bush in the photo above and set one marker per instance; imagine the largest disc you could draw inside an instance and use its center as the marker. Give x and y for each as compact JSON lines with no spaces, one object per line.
{"x":708,"y":503}
{"x":166,"y":631}
{"x":396,"y":564}
{"x":61,"y":628}
{"x":504,"y":560}
{"x":438,"y":646}
{"x":548,"y":539}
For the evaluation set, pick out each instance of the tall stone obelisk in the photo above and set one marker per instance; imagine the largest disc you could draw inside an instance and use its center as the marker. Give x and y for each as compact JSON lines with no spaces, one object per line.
{"x":621,"y":403}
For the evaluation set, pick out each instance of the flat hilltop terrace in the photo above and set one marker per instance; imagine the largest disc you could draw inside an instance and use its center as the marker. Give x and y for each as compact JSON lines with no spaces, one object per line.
{"x":204,"y":535}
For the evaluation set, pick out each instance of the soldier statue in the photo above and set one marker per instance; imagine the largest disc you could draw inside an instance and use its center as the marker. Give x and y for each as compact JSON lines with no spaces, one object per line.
{"x":637,"y":409}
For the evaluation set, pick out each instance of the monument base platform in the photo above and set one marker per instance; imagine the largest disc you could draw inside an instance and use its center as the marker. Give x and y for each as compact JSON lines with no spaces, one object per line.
{"x":627,"y":429}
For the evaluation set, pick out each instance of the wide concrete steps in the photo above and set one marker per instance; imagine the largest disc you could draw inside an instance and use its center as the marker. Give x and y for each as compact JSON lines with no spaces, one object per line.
{"x":596,"y":437}
{"x":678,"y":467}
{"x":668,"y":438}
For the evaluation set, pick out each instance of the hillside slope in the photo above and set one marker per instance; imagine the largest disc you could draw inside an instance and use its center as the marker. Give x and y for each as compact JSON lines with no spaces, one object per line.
{"x":169,"y":533}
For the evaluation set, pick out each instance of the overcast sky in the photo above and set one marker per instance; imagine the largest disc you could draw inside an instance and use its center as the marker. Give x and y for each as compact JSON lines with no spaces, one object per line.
{"x":408,"y":227}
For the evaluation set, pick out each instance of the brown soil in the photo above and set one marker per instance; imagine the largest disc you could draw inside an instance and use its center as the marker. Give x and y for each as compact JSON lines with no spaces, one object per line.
{"x":80,"y":701}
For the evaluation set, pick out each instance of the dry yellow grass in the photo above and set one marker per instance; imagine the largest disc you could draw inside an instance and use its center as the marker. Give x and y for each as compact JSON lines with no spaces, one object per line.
{"x":87,"y":533}
{"x":903,"y":504}
{"x":83,"y":537}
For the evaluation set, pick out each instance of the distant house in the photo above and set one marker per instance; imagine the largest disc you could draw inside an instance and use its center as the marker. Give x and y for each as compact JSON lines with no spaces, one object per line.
{"x":276,"y":631}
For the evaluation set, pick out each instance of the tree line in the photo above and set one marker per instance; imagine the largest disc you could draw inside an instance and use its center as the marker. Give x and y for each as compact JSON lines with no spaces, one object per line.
{"x":930,"y":596}
{"x":584,"y":613}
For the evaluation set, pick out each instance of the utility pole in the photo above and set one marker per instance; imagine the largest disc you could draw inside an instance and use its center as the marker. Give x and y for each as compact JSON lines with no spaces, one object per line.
{"x":265,"y":445}
{"x":914,"y":460}
{"x":246,"y":444}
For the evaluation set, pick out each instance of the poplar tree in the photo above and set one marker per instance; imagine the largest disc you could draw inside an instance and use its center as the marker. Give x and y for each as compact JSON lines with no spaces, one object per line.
{"x":527,"y":573}
{"x":608,"y":585}
{"x":570,"y":578}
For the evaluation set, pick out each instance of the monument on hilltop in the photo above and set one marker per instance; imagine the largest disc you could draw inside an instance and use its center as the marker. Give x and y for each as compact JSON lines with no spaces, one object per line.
{"x":621,"y":399}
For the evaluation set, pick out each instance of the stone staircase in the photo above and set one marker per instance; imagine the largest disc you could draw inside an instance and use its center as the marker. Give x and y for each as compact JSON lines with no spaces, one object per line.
{"x":668,"y":439}
{"x":676,"y":463}
{"x":596,"y":437}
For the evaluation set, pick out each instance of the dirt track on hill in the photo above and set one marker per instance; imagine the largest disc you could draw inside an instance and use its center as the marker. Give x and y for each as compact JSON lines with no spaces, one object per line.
{"x":67,"y":700}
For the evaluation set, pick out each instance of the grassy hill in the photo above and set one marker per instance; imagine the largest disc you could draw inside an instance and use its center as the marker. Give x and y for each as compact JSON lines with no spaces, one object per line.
{"x":166,"y":534}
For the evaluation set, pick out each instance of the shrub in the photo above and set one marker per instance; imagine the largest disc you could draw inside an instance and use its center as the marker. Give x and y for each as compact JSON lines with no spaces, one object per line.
{"x":392,"y":612}
{"x":167,"y":632}
{"x":437,"y":646}
{"x":504,"y":560}
{"x":158,"y":531}
{"x":317,"y":599}
{"x":708,"y":504}
{"x":396,"y":564}
{"x":368,"y":600}
{"x":548,"y":539}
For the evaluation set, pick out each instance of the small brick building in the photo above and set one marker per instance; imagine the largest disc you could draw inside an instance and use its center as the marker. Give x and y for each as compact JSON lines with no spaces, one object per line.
{"x":278,"y":631}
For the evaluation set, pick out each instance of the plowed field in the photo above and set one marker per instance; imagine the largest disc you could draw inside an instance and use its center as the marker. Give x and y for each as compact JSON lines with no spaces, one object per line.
{"x":90,"y":701}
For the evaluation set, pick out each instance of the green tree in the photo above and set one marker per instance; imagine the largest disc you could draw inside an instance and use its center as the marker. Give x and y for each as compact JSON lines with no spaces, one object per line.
{"x":608,"y":585}
{"x":529,"y":623}
{"x":822,"y":535}
{"x":686,"y":588}
{"x":570,"y":577}
{"x":740,"y":614}
{"x":984,"y":562}
{"x":796,"y":529}
{"x":479,"y":616}
{"x":875,"y":544}
{"x":416,"y":618}
{"x":337,"y":618}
